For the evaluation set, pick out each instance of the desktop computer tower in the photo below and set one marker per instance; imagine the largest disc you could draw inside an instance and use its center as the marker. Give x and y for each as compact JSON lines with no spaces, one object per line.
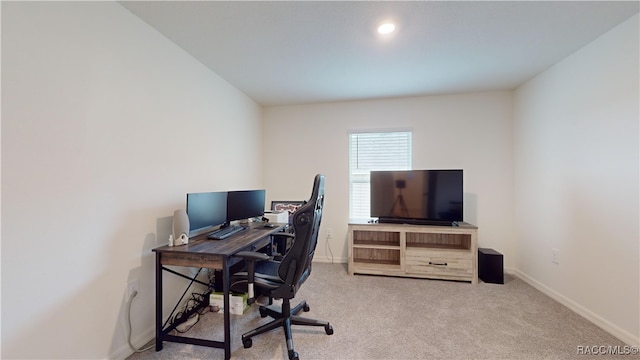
{"x":217,"y":274}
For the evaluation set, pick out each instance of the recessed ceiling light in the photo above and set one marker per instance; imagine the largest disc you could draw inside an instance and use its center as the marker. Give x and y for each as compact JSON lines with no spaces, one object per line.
{"x":386,"y":28}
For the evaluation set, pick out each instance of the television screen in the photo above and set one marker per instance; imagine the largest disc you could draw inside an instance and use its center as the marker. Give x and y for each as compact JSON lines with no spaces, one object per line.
{"x":417,"y":196}
{"x":206,"y":210}
{"x":245,"y":204}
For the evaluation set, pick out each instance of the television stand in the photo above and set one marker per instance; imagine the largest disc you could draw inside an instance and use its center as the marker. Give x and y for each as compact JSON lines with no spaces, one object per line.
{"x":422,"y":251}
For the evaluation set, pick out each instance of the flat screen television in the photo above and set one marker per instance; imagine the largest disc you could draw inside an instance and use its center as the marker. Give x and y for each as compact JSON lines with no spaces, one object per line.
{"x":205,"y":211}
{"x":245,"y":204}
{"x":429,"y":197}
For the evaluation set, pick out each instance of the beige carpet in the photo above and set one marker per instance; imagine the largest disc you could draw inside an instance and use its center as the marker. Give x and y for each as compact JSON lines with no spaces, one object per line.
{"x":377,"y":317}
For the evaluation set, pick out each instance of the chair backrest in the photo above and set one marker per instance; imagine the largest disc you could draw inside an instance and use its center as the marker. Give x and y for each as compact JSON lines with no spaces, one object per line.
{"x":295,"y":267}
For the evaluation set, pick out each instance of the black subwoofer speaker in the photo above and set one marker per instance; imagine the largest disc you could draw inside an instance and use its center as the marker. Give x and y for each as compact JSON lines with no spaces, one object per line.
{"x":490,"y":266}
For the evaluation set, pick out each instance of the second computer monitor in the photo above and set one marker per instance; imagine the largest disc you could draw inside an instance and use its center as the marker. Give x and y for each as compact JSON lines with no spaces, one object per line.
{"x":245,"y":204}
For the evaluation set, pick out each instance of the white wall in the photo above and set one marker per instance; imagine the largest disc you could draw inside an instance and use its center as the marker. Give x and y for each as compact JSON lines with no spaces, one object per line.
{"x":105,"y":126}
{"x":468,"y":131}
{"x":576,"y":181}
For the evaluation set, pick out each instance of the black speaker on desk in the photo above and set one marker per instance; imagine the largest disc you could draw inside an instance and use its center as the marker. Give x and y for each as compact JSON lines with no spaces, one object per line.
{"x":490,"y":266}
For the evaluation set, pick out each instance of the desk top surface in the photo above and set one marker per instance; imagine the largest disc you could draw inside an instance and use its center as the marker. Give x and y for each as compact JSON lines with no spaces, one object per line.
{"x":226,"y":247}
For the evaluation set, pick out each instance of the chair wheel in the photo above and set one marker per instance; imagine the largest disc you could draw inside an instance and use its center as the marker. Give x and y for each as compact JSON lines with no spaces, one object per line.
{"x":247,"y":342}
{"x":328,"y":329}
{"x":293,"y":355}
{"x":306,"y":308}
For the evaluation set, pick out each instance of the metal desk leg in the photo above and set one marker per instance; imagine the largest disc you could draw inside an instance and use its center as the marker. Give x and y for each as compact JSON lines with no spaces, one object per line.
{"x":158,"y":302}
{"x":227,"y":309}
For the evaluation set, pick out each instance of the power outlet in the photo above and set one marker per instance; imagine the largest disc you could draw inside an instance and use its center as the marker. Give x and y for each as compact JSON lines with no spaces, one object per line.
{"x":555,"y":256}
{"x":132,"y":289}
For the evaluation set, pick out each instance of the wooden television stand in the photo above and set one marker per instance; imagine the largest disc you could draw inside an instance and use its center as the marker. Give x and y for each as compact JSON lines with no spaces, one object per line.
{"x":421,"y":251}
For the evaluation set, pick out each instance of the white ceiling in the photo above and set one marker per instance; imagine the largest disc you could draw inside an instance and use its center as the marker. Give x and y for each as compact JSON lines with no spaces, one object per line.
{"x":281,"y":53}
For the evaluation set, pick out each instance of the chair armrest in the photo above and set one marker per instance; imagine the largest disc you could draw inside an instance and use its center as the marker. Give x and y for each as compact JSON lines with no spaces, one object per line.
{"x":281,"y":241}
{"x":284,"y":234}
{"x":253,"y":256}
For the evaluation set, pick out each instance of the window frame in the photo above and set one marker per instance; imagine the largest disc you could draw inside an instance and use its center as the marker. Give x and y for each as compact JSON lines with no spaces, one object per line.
{"x":360,"y":175}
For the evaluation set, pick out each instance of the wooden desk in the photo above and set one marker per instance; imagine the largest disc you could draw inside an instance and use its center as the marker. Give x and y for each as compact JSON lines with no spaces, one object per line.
{"x":211,"y":254}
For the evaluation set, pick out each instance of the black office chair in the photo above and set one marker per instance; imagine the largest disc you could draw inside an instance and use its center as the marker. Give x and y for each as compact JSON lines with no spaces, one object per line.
{"x":282,"y":279}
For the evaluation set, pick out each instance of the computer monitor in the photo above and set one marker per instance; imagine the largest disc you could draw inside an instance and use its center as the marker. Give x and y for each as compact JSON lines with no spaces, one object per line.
{"x":206,"y":210}
{"x":245,"y":204}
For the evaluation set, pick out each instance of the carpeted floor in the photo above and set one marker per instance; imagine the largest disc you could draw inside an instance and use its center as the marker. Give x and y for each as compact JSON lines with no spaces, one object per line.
{"x":376,"y":317}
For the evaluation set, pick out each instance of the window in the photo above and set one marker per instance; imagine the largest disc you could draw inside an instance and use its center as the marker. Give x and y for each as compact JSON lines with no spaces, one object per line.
{"x":374,"y":151}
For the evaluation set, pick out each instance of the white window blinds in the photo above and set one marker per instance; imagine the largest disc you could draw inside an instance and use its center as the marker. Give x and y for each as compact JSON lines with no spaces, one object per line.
{"x":374,"y":151}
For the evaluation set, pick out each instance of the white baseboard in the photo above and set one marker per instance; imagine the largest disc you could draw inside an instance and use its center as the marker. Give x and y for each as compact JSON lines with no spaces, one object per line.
{"x":325,"y":259}
{"x":606,"y":325}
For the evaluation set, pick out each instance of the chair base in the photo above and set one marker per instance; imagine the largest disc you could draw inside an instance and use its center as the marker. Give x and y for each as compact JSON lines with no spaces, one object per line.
{"x":285,"y":322}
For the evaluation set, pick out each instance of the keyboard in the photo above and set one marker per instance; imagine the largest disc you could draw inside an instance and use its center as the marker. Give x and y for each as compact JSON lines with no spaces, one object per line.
{"x":224,"y":233}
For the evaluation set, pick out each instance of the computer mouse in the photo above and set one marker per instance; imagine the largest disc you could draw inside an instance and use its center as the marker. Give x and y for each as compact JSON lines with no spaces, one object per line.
{"x":269,"y":226}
